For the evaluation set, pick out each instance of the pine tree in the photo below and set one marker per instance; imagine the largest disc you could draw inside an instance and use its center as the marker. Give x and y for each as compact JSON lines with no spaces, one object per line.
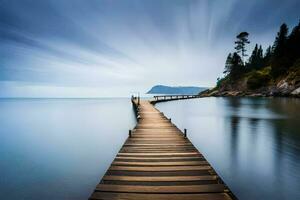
{"x":260,"y":58}
{"x":280,"y":41}
{"x":280,"y":61}
{"x":254,"y":54}
{"x":228,"y":64}
{"x":236,"y":66}
{"x":241,"y":42}
{"x":256,"y":58}
{"x":253,"y":57}
{"x":260,"y":53}
{"x":267,"y":57}
{"x":293,"y":44}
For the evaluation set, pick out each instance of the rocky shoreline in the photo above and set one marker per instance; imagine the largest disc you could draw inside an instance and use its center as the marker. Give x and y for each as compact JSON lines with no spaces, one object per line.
{"x":282,"y":89}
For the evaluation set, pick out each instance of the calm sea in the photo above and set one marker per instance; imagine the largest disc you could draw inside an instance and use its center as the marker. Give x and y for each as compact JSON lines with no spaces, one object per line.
{"x":252,"y":143}
{"x":60,"y":148}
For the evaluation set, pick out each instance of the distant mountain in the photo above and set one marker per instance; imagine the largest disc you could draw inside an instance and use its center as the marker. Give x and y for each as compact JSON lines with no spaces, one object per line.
{"x":162,"y":89}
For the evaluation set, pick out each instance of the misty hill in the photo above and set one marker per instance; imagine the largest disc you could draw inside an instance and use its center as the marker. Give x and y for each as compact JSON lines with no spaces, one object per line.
{"x":162,"y":89}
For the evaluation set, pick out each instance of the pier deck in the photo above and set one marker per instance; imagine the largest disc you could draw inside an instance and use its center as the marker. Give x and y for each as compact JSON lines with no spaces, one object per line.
{"x":158,"y":163}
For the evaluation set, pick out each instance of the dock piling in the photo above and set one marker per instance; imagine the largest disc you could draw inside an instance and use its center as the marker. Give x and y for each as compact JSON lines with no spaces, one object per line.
{"x":158,"y":163}
{"x":130,"y":133}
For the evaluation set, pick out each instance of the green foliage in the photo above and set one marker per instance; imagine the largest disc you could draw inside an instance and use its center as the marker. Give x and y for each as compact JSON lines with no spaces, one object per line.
{"x":279,"y":68}
{"x":241,"y":42}
{"x":228,"y":64}
{"x":279,"y":46}
{"x":294,"y":73}
{"x":234,"y":66}
{"x":219,"y":81}
{"x":257,"y":79}
{"x":293,"y":44}
{"x":267,"y":56}
{"x":256,"y":60}
{"x":282,"y":58}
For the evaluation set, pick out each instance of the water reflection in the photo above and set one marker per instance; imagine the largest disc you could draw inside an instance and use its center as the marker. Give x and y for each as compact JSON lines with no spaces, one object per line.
{"x":234,"y":135}
{"x":253,"y":143}
{"x":59,"y":148}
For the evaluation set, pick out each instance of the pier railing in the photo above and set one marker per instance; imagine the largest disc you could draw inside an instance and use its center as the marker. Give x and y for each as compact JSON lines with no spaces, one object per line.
{"x":173,"y":97}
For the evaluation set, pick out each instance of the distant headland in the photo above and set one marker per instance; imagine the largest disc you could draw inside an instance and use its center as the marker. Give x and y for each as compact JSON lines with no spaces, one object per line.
{"x":188,"y":90}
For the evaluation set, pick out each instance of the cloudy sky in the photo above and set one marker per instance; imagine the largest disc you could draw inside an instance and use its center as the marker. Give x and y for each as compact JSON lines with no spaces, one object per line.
{"x":95,"y":48}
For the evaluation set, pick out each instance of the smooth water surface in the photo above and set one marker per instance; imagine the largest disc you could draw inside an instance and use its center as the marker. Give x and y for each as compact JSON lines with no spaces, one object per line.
{"x":252,"y":143}
{"x":59,"y":148}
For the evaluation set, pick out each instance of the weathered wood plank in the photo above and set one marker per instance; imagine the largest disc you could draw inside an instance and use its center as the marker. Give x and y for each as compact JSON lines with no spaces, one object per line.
{"x":185,"y":163}
{"x":135,"y":196}
{"x":159,"y":169}
{"x":159,"y":159}
{"x":162,"y":189}
{"x":159,"y":154}
{"x":159,"y":178}
{"x":157,"y":162}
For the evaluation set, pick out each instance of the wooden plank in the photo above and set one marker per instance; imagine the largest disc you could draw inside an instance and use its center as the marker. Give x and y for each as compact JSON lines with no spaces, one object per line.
{"x":136,"y":196}
{"x":159,"y":169}
{"x":157,"y":162}
{"x":159,"y":154}
{"x":160,"y":147}
{"x":162,"y":189}
{"x":186,"y":163}
{"x":153,"y":159}
{"x":155,"y":145}
{"x":174,"y":139}
{"x":159,"y":178}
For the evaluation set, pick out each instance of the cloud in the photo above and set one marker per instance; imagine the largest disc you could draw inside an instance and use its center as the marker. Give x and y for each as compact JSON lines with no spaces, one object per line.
{"x":108,"y":48}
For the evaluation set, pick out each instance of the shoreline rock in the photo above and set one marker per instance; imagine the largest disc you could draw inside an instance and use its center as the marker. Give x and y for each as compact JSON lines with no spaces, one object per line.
{"x":272,"y":92}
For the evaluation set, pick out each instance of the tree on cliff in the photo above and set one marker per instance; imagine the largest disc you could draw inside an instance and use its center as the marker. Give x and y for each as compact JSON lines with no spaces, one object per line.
{"x":228,"y":64}
{"x":256,"y":60}
{"x":234,"y":66}
{"x":279,"y":46}
{"x":293,"y":44}
{"x":267,"y":57}
{"x":280,"y":60}
{"x":241,"y":42}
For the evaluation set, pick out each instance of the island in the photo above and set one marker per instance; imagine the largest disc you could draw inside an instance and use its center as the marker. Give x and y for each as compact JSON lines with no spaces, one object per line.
{"x":180,"y":90}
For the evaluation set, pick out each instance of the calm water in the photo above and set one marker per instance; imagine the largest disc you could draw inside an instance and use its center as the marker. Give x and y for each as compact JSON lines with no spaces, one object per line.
{"x":253,"y":143}
{"x":59,"y":148}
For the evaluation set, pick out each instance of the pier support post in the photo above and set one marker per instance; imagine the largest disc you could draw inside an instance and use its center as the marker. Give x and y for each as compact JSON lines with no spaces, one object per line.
{"x":130,"y":133}
{"x":185,"y":135}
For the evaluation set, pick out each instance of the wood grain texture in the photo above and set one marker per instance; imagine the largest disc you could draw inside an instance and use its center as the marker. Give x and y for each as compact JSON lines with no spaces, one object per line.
{"x":158,"y":162}
{"x":136,"y":196}
{"x":161,"y":189}
{"x":159,"y":178}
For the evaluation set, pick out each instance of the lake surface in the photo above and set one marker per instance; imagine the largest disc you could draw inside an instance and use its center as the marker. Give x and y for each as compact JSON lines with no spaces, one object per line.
{"x":252,"y":143}
{"x":59,"y":148}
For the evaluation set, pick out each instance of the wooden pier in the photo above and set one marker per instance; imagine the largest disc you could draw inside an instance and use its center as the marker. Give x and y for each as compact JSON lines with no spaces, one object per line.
{"x":163,"y":98}
{"x":158,"y":162}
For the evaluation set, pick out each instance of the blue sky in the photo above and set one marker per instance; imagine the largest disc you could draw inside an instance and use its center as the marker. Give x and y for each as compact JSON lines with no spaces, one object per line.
{"x":96,"y":48}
